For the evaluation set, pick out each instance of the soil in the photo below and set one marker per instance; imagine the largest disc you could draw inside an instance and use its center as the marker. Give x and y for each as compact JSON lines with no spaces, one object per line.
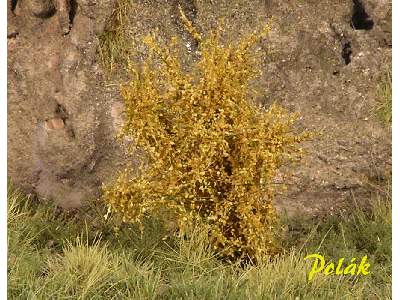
{"x":323,"y":59}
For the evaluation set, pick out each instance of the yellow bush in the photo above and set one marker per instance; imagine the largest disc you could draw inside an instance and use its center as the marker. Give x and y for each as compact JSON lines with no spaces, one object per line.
{"x":211,"y":153}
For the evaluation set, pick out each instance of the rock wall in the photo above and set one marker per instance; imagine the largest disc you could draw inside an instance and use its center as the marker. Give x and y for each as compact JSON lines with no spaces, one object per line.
{"x":323,"y":59}
{"x":57,"y":107}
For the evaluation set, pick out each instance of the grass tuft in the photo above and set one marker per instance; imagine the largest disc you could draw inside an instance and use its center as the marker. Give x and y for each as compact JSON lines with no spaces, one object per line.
{"x":87,"y":265}
{"x":384,"y":94}
{"x":115,"y":42}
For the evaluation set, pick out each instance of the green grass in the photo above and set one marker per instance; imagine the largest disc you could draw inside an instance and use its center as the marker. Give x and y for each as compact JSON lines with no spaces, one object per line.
{"x":384,"y":95}
{"x":115,"y":42}
{"x":82,"y":256}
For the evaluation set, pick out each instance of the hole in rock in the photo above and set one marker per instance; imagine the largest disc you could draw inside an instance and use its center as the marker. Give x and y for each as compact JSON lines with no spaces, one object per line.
{"x":61,"y":111}
{"x":13,"y":5}
{"x":12,"y":35}
{"x":346,"y":52}
{"x":72,"y":10}
{"x":360,"y":19}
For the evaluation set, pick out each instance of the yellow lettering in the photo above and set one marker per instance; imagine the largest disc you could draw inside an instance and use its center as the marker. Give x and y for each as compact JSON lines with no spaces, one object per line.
{"x":351,"y":269}
{"x":363,"y":267}
{"x":315,"y":269}
{"x":329,"y":269}
{"x":340,"y":263}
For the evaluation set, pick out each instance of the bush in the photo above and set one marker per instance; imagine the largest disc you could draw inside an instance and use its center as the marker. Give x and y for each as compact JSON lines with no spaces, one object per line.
{"x":211,"y":153}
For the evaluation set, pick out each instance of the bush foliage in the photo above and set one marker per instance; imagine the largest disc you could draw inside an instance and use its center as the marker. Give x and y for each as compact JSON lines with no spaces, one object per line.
{"x":211,"y":153}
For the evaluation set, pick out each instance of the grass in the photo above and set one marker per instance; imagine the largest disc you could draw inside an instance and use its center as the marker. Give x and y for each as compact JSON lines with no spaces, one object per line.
{"x":115,"y":42}
{"x":384,"y":95}
{"x":82,"y":256}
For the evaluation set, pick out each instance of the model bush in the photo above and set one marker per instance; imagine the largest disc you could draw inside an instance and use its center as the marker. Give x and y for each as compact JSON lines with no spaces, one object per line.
{"x":211,"y":154}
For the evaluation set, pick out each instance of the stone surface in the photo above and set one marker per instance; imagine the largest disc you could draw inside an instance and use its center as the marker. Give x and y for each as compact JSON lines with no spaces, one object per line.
{"x":58,"y":109}
{"x":315,"y":63}
{"x":41,"y":8}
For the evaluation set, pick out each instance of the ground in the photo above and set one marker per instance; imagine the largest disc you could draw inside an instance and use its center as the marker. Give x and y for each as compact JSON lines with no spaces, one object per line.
{"x":83,"y":256}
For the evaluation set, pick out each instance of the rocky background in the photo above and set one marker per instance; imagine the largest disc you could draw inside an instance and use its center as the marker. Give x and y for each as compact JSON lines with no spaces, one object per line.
{"x":323,"y":59}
